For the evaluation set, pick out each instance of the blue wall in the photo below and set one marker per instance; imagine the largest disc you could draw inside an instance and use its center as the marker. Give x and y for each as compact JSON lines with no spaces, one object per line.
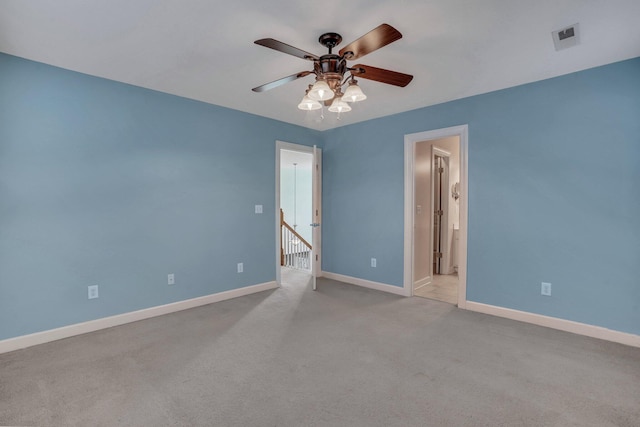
{"x":110,"y":184}
{"x":554,"y":173}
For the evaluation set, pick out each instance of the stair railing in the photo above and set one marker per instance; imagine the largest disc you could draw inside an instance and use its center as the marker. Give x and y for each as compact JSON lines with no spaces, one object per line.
{"x":295,"y":251}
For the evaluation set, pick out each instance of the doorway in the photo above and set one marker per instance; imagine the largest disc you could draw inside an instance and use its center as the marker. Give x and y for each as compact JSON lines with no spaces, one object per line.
{"x":435,"y":214}
{"x":297,"y":214}
{"x":437,"y":164}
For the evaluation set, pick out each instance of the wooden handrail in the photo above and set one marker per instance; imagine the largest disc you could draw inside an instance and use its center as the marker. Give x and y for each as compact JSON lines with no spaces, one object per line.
{"x":295,"y":233}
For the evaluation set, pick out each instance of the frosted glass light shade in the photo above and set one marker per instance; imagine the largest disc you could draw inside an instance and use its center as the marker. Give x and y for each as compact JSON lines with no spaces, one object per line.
{"x":339,"y":106}
{"x":309,"y":104}
{"x":353,"y":93}
{"x":320,"y":91}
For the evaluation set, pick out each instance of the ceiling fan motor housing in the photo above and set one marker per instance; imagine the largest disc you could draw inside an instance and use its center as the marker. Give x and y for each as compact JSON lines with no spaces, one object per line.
{"x":330,"y":68}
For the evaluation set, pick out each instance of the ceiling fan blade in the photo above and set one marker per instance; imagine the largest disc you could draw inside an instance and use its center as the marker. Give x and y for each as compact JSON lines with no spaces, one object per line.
{"x":373,"y":40}
{"x":281,"y":81}
{"x":381,"y":75}
{"x":283,"y":47}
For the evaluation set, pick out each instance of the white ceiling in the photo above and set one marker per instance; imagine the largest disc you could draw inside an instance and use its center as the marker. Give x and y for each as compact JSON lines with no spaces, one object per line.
{"x":203,"y":49}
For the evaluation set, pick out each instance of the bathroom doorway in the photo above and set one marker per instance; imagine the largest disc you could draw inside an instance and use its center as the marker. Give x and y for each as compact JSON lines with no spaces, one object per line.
{"x":436,"y":215}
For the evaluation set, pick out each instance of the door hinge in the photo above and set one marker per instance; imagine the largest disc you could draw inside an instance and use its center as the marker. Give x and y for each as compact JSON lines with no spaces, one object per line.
{"x":440,"y":170}
{"x":316,"y":257}
{"x":438,"y":212}
{"x":437,"y":254}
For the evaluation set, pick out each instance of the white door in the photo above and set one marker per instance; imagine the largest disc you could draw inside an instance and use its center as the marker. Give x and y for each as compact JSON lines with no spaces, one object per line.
{"x":440,"y":210}
{"x":316,"y":215}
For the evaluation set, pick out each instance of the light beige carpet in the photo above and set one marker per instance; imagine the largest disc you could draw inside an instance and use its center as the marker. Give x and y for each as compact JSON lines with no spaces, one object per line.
{"x":341,"y":356}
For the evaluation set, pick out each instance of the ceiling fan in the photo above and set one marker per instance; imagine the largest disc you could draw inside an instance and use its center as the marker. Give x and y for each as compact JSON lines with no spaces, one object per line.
{"x":330,"y":69}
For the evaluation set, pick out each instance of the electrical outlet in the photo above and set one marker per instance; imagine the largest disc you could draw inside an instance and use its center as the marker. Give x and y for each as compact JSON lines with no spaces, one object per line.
{"x":240,"y":267}
{"x":258,"y":209}
{"x":93,"y":291}
{"x":545,"y":289}
{"x":171,"y":279}
{"x":373,"y":262}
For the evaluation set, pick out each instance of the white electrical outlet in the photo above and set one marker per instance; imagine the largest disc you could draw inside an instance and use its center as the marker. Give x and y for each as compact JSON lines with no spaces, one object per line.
{"x":545,"y":289}
{"x":258,"y":209}
{"x":240,"y":267}
{"x":171,"y":279}
{"x":374,"y":263}
{"x":93,"y":291}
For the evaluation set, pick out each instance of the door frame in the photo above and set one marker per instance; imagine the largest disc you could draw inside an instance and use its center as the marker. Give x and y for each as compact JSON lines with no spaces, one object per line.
{"x":316,"y":201}
{"x":410,"y":141}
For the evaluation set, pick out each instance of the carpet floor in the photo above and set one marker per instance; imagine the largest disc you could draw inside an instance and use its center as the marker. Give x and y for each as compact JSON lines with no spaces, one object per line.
{"x":340,"y":356}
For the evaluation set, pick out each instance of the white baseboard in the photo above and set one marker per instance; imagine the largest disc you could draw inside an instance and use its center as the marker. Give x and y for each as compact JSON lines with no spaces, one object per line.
{"x":556,"y":323}
{"x":25,"y":341}
{"x":397,"y":290}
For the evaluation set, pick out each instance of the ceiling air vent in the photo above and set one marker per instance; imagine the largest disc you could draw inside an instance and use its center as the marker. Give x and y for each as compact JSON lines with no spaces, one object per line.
{"x":566,"y":37}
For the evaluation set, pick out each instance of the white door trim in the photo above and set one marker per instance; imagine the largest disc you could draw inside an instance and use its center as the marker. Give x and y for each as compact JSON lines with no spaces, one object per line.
{"x":281,"y":145}
{"x":316,"y":216}
{"x":410,"y":141}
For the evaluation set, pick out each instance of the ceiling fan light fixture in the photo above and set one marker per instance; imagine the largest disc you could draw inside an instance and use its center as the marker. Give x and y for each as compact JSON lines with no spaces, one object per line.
{"x":353,"y":93}
{"x":339,"y":106}
{"x":320,"y":91}
{"x":330,"y":70}
{"x":309,"y":104}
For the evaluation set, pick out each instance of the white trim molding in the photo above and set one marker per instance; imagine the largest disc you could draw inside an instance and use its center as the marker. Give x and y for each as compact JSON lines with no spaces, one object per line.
{"x":557,"y":323}
{"x":25,"y":341}
{"x":397,"y":290}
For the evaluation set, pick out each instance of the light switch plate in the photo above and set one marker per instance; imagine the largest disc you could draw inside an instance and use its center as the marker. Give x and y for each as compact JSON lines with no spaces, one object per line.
{"x":258,"y":209}
{"x":545,"y":289}
{"x":93,"y":291}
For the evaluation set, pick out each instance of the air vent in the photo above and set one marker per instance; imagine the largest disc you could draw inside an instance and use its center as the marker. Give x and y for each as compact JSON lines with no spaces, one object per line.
{"x":566,"y":37}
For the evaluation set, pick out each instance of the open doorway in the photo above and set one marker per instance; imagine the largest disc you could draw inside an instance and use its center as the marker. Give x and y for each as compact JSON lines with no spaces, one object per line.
{"x":295,"y":213}
{"x":435,"y":214}
{"x":437,"y":219}
{"x":297,"y":219}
